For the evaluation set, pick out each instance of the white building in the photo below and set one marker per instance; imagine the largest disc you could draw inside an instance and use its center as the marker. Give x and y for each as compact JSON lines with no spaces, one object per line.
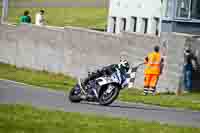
{"x":154,"y":16}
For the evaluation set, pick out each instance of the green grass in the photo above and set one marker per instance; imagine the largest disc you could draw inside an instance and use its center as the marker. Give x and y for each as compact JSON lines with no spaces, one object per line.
{"x":46,"y":0}
{"x":12,"y":2}
{"x":187,"y":101}
{"x":37,"y":78}
{"x":25,"y":119}
{"x":61,"y":82}
{"x":81,"y":17}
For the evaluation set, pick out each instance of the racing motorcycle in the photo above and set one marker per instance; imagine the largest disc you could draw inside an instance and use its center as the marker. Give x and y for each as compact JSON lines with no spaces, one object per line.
{"x":105,"y":89}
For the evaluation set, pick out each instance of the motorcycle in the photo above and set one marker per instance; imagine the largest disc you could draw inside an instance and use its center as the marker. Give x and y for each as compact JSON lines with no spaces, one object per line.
{"x":104,"y":89}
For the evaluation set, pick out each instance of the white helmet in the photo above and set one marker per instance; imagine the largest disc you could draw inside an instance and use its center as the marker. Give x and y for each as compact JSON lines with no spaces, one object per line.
{"x":124,"y":64}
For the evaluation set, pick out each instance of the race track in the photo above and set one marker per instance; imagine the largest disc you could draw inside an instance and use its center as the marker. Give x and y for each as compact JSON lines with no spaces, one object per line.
{"x":16,"y":93}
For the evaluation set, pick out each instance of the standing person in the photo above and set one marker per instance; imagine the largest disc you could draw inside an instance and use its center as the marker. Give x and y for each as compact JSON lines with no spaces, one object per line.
{"x":39,"y":18}
{"x":188,"y":67}
{"x":25,"y":19}
{"x":154,"y":66}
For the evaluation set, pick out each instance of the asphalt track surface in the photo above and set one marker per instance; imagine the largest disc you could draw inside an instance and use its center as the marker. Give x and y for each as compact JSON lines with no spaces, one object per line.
{"x":17,"y":93}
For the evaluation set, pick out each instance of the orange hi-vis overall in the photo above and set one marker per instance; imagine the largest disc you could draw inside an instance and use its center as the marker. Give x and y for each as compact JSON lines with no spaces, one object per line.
{"x":152,"y":70}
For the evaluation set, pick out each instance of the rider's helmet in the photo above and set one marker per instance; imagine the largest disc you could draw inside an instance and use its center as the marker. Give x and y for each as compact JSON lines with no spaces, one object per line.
{"x":124,"y":64}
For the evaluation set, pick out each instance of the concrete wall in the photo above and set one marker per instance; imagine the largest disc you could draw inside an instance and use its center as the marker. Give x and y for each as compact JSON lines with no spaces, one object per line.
{"x":74,"y":51}
{"x":38,"y":48}
{"x":167,"y":26}
{"x":181,"y":27}
{"x":187,"y":27}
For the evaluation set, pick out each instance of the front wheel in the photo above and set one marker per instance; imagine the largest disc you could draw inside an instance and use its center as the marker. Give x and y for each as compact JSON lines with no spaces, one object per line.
{"x":74,"y":94}
{"x":109,"y":94}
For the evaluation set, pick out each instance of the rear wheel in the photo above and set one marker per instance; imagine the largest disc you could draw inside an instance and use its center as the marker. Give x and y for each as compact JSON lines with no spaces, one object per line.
{"x":75,"y":94}
{"x":109,"y":94}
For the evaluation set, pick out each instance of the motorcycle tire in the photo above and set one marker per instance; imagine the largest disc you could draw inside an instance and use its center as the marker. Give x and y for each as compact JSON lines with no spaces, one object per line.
{"x":110,"y":100}
{"x":75,"y":98}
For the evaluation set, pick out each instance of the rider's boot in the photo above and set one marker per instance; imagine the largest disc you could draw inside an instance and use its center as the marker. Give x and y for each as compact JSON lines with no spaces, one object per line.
{"x":153,"y":91}
{"x":145,"y":93}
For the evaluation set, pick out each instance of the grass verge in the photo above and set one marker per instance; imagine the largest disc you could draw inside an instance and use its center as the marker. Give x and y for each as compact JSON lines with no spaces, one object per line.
{"x":14,"y":1}
{"x":25,"y":119}
{"x":187,"y":101}
{"x":80,"y":17}
{"x":61,"y":82}
{"x":37,"y":78}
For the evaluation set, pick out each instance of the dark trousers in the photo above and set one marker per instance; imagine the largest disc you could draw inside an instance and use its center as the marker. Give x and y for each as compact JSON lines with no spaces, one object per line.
{"x":188,"y":77}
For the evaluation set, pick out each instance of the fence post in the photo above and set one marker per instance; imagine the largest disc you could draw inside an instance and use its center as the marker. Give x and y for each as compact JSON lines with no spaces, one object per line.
{"x":4,"y":11}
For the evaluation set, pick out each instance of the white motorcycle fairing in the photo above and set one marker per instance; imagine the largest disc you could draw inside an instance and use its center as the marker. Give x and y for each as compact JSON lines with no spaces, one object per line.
{"x":114,"y":78}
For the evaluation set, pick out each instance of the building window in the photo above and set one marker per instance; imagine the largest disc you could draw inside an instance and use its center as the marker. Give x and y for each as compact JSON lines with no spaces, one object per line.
{"x":168,"y":8}
{"x":188,"y":9}
{"x":156,"y":22}
{"x":195,"y":9}
{"x":123,"y":24}
{"x":114,"y":20}
{"x":134,"y":23}
{"x":144,"y":25}
{"x":183,"y":8}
